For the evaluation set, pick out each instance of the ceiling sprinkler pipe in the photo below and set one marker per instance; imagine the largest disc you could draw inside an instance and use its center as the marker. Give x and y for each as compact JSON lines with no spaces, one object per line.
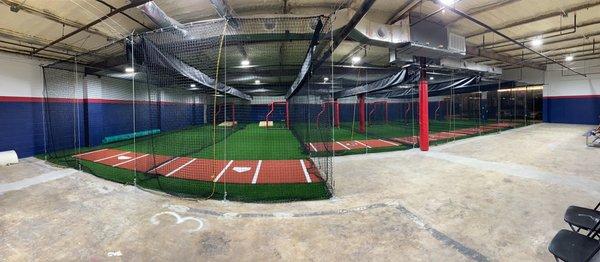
{"x":472,"y":19}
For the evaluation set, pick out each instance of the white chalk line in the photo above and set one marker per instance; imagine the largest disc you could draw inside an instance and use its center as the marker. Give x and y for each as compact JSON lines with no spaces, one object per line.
{"x":21,"y":184}
{"x":117,"y":155}
{"x":306,"y":176}
{"x":347,"y":148}
{"x":163,"y":164}
{"x":87,"y":153}
{"x":313,"y":147}
{"x":181,"y":167}
{"x":255,"y":177}
{"x":223,"y":171}
{"x":360,"y":143}
{"x":130,"y":160}
{"x":388,"y":142}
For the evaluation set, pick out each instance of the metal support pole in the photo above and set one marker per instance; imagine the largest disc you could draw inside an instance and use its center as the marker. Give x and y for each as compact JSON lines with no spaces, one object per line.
{"x":423,"y":108}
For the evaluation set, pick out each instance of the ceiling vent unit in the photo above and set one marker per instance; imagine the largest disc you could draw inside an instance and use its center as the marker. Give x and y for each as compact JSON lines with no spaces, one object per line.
{"x":457,"y":43}
{"x":369,"y":32}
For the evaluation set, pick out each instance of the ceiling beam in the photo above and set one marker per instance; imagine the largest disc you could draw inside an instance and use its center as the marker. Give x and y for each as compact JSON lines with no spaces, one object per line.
{"x":554,"y":32}
{"x":111,"y":7}
{"x":539,"y":17}
{"x":489,"y":28}
{"x":38,"y":41}
{"x":484,"y":8}
{"x":224,"y":10}
{"x":52,"y":17}
{"x":27,"y":53}
{"x":489,"y":54}
{"x":562,"y":51}
{"x":352,"y":52}
{"x":403,"y":11}
{"x":558,"y":41}
{"x":133,"y":3}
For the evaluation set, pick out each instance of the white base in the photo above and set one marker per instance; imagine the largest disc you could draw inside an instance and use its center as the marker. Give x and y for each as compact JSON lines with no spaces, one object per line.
{"x":265,"y":123}
{"x":8,"y":158}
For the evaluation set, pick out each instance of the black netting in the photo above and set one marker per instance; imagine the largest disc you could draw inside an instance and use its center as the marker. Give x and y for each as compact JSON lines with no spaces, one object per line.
{"x":197,"y":110}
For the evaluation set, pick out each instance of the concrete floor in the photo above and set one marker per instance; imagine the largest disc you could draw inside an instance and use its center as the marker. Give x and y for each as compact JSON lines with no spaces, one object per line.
{"x":497,"y":197}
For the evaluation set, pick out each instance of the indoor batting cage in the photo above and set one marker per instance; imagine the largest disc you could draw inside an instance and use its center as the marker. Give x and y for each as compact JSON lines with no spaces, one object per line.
{"x":201,"y":110}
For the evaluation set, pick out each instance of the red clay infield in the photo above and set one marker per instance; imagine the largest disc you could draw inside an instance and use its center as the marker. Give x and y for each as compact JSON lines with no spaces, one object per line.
{"x":221,"y":171}
{"x":407,"y":140}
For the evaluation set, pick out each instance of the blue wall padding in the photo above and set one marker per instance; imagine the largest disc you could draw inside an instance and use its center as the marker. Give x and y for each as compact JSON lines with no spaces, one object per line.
{"x":21,"y":128}
{"x":22,"y":125}
{"x":572,"y":110}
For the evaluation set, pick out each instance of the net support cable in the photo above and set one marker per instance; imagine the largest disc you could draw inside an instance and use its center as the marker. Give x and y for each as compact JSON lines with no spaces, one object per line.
{"x":190,"y":72}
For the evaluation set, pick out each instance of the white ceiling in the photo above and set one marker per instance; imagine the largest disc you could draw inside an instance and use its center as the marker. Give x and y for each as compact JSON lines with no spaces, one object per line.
{"x":26,"y":30}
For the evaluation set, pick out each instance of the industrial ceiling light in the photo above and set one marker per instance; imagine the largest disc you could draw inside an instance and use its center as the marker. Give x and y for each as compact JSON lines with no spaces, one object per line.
{"x":15,"y":8}
{"x":355,"y":59}
{"x":257,"y":82}
{"x":193,"y":85}
{"x":325,"y":79}
{"x":431,"y":78}
{"x":447,"y":2}
{"x":537,"y":42}
{"x":129,"y":70}
{"x":245,"y":62}
{"x":569,"y":58}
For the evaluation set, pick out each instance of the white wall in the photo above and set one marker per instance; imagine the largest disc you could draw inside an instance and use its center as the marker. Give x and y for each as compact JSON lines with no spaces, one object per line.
{"x":20,"y":76}
{"x":561,"y":82}
{"x":526,"y":75}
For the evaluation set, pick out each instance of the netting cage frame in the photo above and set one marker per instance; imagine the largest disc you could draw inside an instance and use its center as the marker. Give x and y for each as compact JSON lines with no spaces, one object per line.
{"x":75,"y":134}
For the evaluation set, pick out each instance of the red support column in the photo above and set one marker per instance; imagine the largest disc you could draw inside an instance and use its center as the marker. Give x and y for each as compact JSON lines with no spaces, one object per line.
{"x":287,"y":114}
{"x":386,"y":112}
{"x":233,"y":112}
{"x":423,"y":115}
{"x":361,"y":114}
{"x":337,"y":113}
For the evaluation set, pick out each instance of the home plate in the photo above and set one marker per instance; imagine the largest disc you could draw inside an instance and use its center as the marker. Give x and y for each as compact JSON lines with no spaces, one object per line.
{"x":241,"y":169}
{"x":123,"y":157}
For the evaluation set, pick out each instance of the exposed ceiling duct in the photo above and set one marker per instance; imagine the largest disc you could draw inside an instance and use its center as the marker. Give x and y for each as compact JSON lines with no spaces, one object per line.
{"x":160,"y":18}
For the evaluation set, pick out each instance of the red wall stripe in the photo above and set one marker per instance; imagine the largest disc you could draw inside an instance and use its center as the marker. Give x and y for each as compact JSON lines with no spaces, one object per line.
{"x":23,"y":99}
{"x":572,"y":97}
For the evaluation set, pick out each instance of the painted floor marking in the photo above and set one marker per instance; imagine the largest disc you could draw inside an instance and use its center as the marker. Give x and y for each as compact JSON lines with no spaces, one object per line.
{"x":181,"y":167}
{"x":358,"y":142}
{"x":163,"y":164}
{"x":223,"y":171}
{"x":255,"y":177}
{"x":47,"y":177}
{"x":313,"y":147}
{"x":308,"y":180}
{"x":347,"y":148}
{"x":117,"y":155}
{"x":130,"y":160}
{"x":388,"y":142}
{"x":87,"y":153}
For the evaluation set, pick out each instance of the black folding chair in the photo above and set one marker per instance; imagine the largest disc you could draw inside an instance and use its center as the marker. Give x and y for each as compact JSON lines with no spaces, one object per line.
{"x":572,"y":246}
{"x":580,"y":218}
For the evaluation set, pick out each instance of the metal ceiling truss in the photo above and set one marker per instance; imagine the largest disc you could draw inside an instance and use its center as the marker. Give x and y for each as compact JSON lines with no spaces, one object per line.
{"x":489,"y":28}
{"x":133,"y":3}
{"x":536,"y":18}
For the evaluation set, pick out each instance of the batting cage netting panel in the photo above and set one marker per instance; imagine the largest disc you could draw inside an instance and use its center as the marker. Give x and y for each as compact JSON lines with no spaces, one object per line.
{"x":199,"y":110}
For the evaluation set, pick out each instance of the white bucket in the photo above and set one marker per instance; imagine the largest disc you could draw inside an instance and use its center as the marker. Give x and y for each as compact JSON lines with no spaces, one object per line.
{"x":8,"y":158}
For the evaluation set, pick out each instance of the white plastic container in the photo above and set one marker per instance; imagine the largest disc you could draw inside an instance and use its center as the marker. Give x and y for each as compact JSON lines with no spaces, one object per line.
{"x":8,"y":158}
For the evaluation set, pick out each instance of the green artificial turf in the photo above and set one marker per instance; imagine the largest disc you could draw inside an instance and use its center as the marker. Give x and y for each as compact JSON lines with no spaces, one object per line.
{"x":256,"y":143}
{"x":195,"y":188}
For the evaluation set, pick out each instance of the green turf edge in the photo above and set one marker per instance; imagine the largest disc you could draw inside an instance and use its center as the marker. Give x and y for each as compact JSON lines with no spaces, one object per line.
{"x":203,"y":189}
